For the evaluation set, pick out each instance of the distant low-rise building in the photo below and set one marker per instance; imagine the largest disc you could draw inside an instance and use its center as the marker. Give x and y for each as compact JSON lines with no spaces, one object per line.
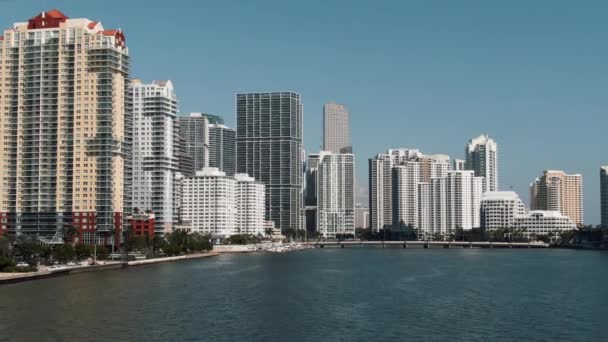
{"x":142,"y":224}
{"x":543,"y":222}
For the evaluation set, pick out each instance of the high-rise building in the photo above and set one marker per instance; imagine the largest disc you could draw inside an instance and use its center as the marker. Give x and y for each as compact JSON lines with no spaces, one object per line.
{"x":154,"y":160}
{"x":604,"y":194}
{"x":310,"y":192}
{"x":463,"y":200}
{"x":194,"y":129}
{"x":438,"y":206}
{"x":459,"y":165}
{"x":336,"y":132}
{"x":185,"y":164}
{"x":381,"y":187}
{"x":209,"y":203}
{"x":558,"y":191}
{"x":336,"y":194}
{"x":482,"y":157}
{"x":269,"y":148}
{"x":250,"y":205}
{"x":65,"y":109}
{"x":406,"y":178}
{"x":222,"y":148}
{"x":499,"y":209}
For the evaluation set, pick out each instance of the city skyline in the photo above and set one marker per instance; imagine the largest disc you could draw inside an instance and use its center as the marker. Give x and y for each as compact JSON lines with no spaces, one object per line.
{"x":538,"y":84}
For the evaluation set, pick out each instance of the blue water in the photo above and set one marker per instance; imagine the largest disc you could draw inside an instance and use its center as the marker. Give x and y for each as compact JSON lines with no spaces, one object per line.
{"x":352,"y":294}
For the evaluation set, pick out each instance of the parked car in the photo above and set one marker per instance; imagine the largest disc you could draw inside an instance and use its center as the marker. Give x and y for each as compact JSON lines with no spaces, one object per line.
{"x":23,"y":264}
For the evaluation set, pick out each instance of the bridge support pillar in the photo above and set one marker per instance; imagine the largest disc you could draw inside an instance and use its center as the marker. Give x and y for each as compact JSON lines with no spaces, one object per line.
{"x":342,"y":246}
{"x":404,"y":245}
{"x":426,"y":245}
{"x":446,"y":246}
{"x":322,"y":246}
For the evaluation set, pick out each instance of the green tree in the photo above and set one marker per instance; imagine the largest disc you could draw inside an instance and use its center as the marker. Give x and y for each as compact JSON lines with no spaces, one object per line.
{"x":82,"y":251}
{"x":64,"y":253}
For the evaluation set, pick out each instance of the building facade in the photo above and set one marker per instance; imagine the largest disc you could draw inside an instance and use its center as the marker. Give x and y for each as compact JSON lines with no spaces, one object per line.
{"x":65,"y":109}
{"x":336,"y":131}
{"x":250,"y":205}
{"x":209,"y":203}
{"x":194,"y":129}
{"x":222,"y":148}
{"x":463,"y":200}
{"x":361,"y":217}
{"x":336,"y":194}
{"x":543,"y":223}
{"x":154,"y":161}
{"x":499,"y":210}
{"x":558,"y":191}
{"x":604,"y":195}
{"x":381,"y":185}
{"x":482,"y":157}
{"x":269,"y":148}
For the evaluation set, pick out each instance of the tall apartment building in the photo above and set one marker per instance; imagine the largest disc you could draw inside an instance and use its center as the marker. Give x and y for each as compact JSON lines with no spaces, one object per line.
{"x":499,"y":210}
{"x":558,"y":191}
{"x":250,"y":205}
{"x":438,"y":220}
{"x":185,"y":163}
{"x":336,"y":131}
{"x":209,"y":203}
{"x":381,"y":187}
{"x":482,"y":157}
{"x":154,"y":159}
{"x":222,"y":148}
{"x":463,"y":199}
{"x":194,"y":129}
{"x":459,"y":165}
{"x":406,"y":178}
{"x":269,"y":148}
{"x":604,"y":194}
{"x":65,"y":111}
{"x":336,"y":194}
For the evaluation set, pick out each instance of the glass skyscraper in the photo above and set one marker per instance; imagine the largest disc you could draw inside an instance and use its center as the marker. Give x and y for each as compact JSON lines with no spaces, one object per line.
{"x":222,"y":148}
{"x":269,"y":148}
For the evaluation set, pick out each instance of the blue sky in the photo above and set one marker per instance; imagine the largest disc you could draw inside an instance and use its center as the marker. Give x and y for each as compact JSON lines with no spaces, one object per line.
{"x":420,"y":74}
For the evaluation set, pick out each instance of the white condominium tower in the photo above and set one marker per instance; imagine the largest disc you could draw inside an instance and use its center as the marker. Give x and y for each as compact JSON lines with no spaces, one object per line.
{"x":463,"y":199}
{"x":482,"y":157}
{"x":558,"y":191}
{"x":336,"y":132}
{"x":209,"y":203}
{"x":154,"y":161}
{"x":66,"y":125}
{"x":335,"y":194}
{"x":499,"y":210}
{"x":380,"y":185}
{"x":604,"y":194}
{"x":406,"y":178}
{"x":269,"y":148}
{"x":220,"y":205}
{"x":194,"y":129}
{"x":250,"y":205}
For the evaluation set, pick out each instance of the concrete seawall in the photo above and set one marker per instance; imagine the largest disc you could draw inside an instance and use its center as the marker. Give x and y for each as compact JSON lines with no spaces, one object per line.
{"x":9,"y":278}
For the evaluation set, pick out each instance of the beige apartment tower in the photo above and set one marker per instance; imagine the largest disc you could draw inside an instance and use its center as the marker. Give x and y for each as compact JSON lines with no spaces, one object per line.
{"x":65,"y":128}
{"x":557,"y":191}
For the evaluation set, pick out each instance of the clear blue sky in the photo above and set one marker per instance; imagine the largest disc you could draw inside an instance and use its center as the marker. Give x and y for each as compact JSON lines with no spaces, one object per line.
{"x":426,"y":74}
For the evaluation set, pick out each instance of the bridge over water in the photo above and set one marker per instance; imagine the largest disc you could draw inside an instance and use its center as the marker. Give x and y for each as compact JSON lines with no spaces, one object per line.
{"x":428,"y":244}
